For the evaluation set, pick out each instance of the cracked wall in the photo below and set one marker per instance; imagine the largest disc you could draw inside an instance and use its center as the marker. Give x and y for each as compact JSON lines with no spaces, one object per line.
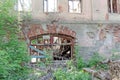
{"x":101,"y":38}
{"x":96,"y":29}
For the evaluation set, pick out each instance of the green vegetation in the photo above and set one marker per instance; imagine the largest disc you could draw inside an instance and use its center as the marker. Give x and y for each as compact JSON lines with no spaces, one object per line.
{"x":74,"y":69}
{"x":95,"y":59}
{"x":71,"y":73}
{"x":13,"y":52}
{"x":80,"y":63}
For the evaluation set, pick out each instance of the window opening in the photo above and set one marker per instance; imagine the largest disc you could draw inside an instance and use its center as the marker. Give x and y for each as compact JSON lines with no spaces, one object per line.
{"x":59,"y":40}
{"x":60,"y":45}
{"x":75,"y":6}
{"x":112,"y":6}
{"x":23,"y":5}
{"x":50,"y":5}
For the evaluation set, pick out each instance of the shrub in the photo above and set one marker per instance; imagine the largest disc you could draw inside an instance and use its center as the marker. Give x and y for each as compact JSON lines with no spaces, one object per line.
{"x":13,"y":52}
{"x":71,"y":74}
{"x":80,"y":63}
{"x":95,"y":59}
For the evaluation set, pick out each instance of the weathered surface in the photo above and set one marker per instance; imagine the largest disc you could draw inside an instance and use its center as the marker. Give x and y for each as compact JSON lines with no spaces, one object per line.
{"x":101,"y":38}
{"x":48,"y":76}
{"x":113,"y":72}
{"x":37,"y":29}
{"x":96,"y":29}
{"x":102,"y":75}
{"x":47,"y":70}
{"x":91,"y":10}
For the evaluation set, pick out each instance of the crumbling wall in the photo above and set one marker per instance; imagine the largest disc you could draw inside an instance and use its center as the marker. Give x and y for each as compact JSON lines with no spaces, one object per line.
{"x":101,"y":38}
{"x":92,"y":37}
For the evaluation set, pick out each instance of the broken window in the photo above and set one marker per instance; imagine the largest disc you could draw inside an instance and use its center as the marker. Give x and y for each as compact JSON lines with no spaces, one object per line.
{"x":60,"y":45}
{"x":50,"y":5}
{"x":75,"y":6}
{"x":56,"y":41}
{"x":112,"y":6}
{"x":23,"y":5}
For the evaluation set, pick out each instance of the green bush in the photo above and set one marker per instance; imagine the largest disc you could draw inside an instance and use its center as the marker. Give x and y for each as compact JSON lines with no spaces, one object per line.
{"x":13,"y":52}
{"x":95,"y":59}
{"x":13,"y":57}
{"x":71,"y":74}
{"x":80,"y":63}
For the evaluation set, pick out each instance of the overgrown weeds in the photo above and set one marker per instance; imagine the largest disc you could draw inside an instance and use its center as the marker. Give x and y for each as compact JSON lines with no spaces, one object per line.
{"x":74,"y":69}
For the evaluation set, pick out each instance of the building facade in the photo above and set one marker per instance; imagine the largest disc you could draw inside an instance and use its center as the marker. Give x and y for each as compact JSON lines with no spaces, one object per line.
{"x":61,"y":24}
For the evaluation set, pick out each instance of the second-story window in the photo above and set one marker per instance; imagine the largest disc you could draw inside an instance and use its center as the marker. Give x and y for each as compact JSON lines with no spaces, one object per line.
{"x":23,"y":5}
{"x":75,"y":6}
{"x":50,"y":5}
{"x":112,"y":6}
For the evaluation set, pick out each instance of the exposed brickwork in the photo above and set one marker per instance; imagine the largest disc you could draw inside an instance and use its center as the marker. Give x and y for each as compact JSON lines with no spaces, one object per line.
{"x":60,"y":8}
{"x":51,"y":29}
{"x":116,"y":33}
{"x":102,"y":34}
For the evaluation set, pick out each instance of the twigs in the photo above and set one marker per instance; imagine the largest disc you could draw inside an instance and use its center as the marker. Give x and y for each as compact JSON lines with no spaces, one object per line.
{"x":111,"y":74}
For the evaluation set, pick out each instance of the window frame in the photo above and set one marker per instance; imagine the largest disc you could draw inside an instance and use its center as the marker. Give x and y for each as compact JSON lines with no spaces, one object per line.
{"x":21,"y":5}
{"x":111,"y":8}
{"x":80,"y":1}
{"x":52,"y":43}
{"x":47,"y":7}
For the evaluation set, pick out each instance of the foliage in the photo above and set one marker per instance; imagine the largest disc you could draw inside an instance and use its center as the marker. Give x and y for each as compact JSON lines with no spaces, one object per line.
{"x":94,"y":61}
{"x":13,"y":52}
{"x":49,"y":56}
{"x":71,"y":73}
{"x":46,"y":61}
{"x":80,"y":63}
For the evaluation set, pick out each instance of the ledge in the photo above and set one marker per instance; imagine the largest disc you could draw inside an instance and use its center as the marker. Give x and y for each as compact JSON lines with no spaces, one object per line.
{"x":37,"y":21}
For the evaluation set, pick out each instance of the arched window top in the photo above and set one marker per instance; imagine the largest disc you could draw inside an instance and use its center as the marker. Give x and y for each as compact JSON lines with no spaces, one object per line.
{"x":60,"y":40}
{"x":37,"y":30}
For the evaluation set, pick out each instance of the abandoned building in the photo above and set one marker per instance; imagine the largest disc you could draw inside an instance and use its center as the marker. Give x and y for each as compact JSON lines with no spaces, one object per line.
{"x":59,"y":25}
